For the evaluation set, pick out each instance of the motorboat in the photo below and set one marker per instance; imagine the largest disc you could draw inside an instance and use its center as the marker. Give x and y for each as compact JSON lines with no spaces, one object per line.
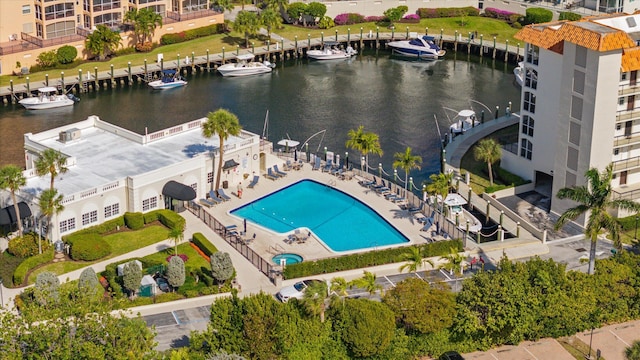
{"x":246,"y":66}
{"x":463,"y":121}
{"x":519,"y":72}
{"x":423,"y":47}
{"x":455,"y":203}
{"x":170,"y":79}
{"x":47,"y":98}
{"x":330,"y":51}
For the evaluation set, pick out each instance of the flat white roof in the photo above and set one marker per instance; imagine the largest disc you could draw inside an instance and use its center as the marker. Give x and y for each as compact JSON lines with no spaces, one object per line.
{"x":103,"y":157}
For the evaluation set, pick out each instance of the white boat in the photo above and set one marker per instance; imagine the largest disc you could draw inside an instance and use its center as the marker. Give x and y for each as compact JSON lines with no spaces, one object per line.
{"x":423,"y":47}
{"x":519,"y":73}
{"x":246,"y":66}
{"x":330,"y":51}
{"x":47,"y":99}
{"x":459,"y":215}
{"x":170,"y":79}
{"x":464,"y":120}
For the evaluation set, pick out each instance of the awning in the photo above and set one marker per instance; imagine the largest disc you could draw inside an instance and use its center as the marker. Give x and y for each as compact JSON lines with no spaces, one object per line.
{"x":229,"y":164}
{"x":178,"y":191}
{"x":8,"y":214}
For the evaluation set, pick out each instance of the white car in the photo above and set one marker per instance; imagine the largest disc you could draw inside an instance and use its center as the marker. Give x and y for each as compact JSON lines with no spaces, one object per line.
{"x":294,"y":291}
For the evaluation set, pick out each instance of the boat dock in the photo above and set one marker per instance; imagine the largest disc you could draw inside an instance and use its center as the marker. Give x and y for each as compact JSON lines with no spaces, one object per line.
{"x":93,"y":80}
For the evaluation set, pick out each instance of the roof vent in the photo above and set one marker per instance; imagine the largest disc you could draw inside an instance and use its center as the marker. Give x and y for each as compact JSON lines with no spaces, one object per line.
{"x":631,"y":21}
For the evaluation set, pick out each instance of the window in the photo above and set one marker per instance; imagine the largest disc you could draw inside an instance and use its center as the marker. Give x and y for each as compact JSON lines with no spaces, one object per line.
{"x":26,"y":9}
{"x":39,"y":30}
{"x":111,"y":210}
{"x":530,"y":102}
{"x":623,"y":76}
{"x":531,"y":79}
{"x":150,"y":203}
{"x":58,"y":11}
{"x":210,"y":177}
{"x":527,"y":125}
{"x":90,"y":217}
{"x":526,"y":149}
{"x":104,"y":5}
{"x":621,"y":101}
{"x":576,"y":107}
{"x":194,"y":186}
{"x":38,"y":12}
{"x":108,"y":19}
{"x":578,"y":81}
{"x":60,"y":29}
{"x":195,"y":5}
{"x":581,"y":56}
{"x":67,"y":225}
{"x":532,"y":54}
{"x":616,"y":151}
{"x":86,"y":5}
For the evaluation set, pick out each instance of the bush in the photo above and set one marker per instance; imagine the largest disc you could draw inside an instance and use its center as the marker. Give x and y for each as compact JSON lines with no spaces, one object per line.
{"x":125,"y":51}
{"x":27,"y":245}
{"x":134,"y":221}
{"x":375,"y":19}
{"x":538,"y":16}
{"x":361,"y":260}
{"x":151,"y":216}
{"x":105,"y":227}
{"x":427,"y":13}
{"x":144,"y":47}
{"x":47,"y":59}
{"x":89,"y":248}
{"x":499,"y":14}
{"x":19,"y":276}
{"x":348,"y":19}
{"x":566,"y":15}
{"x":203,"y":244}
{"x":67,"y":54}
{"x":181,"y":256}
{"x":175,"y":38}
{"x":171,"y":220}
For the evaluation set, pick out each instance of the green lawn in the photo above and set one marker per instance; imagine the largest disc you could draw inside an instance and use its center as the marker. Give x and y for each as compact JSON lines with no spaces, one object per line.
{"x":214,"y":43}
{"x":194,"y":261}
{"x":121,"y":243}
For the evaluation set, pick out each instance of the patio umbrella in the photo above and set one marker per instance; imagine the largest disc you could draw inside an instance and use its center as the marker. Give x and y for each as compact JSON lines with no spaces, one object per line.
{"x":295,"y":155}
{"x":244,"y":222}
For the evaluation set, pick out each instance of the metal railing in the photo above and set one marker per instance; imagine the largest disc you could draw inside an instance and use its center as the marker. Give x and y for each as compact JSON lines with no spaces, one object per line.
{"x":190,"y":15}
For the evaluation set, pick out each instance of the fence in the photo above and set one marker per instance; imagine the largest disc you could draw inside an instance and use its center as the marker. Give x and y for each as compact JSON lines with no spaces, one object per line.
{"x":258,"y":261}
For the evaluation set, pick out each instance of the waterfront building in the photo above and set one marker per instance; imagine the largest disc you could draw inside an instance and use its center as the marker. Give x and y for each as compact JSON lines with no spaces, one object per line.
{"x":113,"y":170}
{"x":578,"y":105}
{"x":28,"y":28}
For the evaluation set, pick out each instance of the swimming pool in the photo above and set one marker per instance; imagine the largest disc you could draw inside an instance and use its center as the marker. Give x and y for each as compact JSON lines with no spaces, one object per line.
{"x":289,"y":258}
{"x":340,"y":221}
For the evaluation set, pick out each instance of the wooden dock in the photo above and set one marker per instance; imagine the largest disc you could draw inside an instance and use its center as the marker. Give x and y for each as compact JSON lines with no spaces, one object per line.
{"x":85,"y":81}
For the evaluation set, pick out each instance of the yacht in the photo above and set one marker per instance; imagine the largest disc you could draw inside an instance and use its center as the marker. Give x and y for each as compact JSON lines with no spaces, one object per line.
{"x":47,"y":98}
{"x":245,"y":66}
{"x":459,"y":215}
{"x":170,"y":79}
{"x":423,"y":47}
{"x":330,"y":51}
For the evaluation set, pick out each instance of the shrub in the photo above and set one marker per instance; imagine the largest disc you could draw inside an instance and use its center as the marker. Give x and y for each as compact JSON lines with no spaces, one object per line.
{"x":375,"y":19}
{"x":427,"y":13}
{"x":168,"y":39}
{"x":47,"y":59}
{"x":105,"y":227}
{"x":348,"y":19}
{"x":203,"y":244}
{"x":144,"y":47}
{"x":125,"y":51}
{"x":361,"y":260}
{"x":508,"y":178}
{"x":221,"y":267}
{"x":26,"y":245}
{"x":538,"y":16}
{"x":181,"y":256}
{"x":20,"y":274}
{"x":66,"y":54}
{"x":170,"y":219}
{"x":566,"y":15}
{"x":151,"y":216}
{"x":498,"y":14}
{"x":326,"y":23}
{"x":90,"y":247}
{"x":175,"y":272}
{"x":134,"y":221}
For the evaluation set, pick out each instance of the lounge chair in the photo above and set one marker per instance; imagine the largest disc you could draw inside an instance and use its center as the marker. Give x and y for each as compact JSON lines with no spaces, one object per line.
{"x":303,"y":239}
{"x":207,"y":203}
{"x":254,"y":182}
{"x":222,"y":195}
{"x":214,"y":197}
{"x":328,"y":166}
{"x":248,"y":241}
{"x":277,"y":171}
{"x":427,"y":224}
{"x":414,"y":209}
{"x":289,"y":165}
{"x":316,"y":165}
{"x":270,"y":174}
{"x":336,"y":169}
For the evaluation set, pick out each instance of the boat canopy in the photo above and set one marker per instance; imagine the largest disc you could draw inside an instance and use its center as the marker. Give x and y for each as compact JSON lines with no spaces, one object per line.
{"x":454,"y":200}
{"x":47,"y":89}
{"x":168,"y":72}
{"x":288,"y":142}
{"x":245,"y":57}
{"x":331,"y":43}
{"x":466,"y":113}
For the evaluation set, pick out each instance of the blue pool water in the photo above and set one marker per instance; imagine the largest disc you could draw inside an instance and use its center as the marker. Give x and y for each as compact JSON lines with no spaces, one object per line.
{"x":288,"y":257}
{"x":342,"y":222}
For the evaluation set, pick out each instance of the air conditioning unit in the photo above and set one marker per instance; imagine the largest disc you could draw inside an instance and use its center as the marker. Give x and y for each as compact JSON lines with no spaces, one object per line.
{"x":69,"y":135}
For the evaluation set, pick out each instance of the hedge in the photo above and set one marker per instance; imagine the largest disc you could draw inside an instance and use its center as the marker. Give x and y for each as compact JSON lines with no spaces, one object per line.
{"x":20,"y":274}
{"x":538,"y":16}
{"x":348,"y":19}
{"x":105,"y":227}
{"x":171,"y":219}
{"x":27,"y":245}
{"x":361,"y":260}
{"x":175,"y":38}
{"x":428,"y":13}
{"x":134,"y":220}
{"x":566,"y":15}
{"x":89,"y":248}
{"x":204,"y":244}
{"x":151,"y":216}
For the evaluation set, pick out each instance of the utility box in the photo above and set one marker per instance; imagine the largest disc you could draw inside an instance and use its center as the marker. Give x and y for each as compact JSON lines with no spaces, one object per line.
{"x":160,"y":57}
{"x":225,"y":184}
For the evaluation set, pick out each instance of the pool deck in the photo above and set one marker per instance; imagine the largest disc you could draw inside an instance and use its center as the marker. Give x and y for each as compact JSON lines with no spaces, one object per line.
{"x":269,"y":242}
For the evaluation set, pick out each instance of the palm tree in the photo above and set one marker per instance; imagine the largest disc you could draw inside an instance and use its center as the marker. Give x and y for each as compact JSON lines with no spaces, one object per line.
{"x":145,"y":21}
{"x":489,"y":151}
{"x":224,"y":123}
{"x":440,"y":184}
{"x":633,"y":351}
{"x":50,"y":205}
{"x":595,"y":198}
{"x":367,"y":282}
{"x":247,"y":22}
{"x":364,"y":142}
{"x":278,"y":5}
{"x":12,"y":179}
{"x":224,"y":5}
{"x":51,"y":162}
{"x":339,"y":286}
{"x":414,"y":260}
{"x":315,"y":298}
{"x":102,"y":41}
{"x":271,"y":19}
{"x":406,"y":161}
{"x":177,"y":235}
{"x":453,"y":261}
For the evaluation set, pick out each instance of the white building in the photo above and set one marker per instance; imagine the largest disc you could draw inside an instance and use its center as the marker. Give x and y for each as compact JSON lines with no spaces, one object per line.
{"x":578,"y":107}
{"x":113,"y":170}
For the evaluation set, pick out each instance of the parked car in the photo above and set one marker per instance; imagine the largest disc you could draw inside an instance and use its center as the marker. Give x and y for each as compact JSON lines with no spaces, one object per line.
{"x":294,"y":291}
{"x":451,"y":355}
{"x":163,"y":284}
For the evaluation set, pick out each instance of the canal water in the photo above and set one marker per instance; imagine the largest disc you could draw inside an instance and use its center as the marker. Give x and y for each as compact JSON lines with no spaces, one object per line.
{"x":395,"y":98}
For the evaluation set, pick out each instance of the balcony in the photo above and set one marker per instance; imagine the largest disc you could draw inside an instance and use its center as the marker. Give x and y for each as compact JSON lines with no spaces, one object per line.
{"x":29,"y":42}
{"x":627,"y":115}
{"x":627,"y":164}
{"x":629,"y":192}
{"x":625,"y":140}
{"x":175,"y":16}
{"x":625,"y":90}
